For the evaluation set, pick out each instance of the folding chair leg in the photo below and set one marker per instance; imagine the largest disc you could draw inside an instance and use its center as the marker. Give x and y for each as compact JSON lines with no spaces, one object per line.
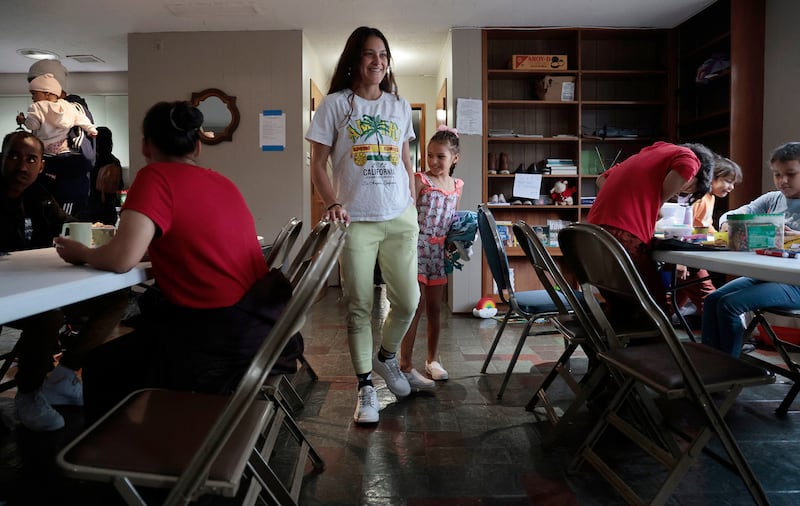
{"x":496,"y":340}
{"x":304,"y":365}
{"x":788,"y":400}
{"x":8,"y":359}
{"x":732,"y":448}
{"x":268,"y":480}
{"x":128,"y":492}
{"x":517,"y":352}
{"x":793,"y":372}
{"x":551,"y":376}
{"x":589,"y":387}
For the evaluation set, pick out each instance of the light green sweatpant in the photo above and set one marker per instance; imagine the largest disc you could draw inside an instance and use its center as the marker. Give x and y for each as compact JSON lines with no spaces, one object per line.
{"x":394,"y":244}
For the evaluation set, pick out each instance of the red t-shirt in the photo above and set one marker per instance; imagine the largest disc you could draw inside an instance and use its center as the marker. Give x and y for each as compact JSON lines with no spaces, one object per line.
{"x":207,"y":254}
{"x":631,"y":195}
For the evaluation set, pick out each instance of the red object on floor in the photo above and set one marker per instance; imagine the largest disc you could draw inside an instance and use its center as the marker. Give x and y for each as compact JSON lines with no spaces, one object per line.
{"x":788,"y":334}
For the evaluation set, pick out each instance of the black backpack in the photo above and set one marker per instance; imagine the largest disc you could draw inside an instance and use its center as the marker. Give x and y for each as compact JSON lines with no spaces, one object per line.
{"x":77,"y":138}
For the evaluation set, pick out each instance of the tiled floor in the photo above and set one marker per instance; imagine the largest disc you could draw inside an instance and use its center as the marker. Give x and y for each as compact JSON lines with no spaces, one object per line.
{"x":457,"y":446}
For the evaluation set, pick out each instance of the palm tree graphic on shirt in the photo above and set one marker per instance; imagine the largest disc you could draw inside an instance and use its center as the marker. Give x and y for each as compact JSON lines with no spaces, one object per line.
{"x":376,"y":129}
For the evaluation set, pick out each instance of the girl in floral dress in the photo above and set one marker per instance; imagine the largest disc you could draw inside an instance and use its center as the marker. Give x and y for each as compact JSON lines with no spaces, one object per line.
{"x":438,"y":194}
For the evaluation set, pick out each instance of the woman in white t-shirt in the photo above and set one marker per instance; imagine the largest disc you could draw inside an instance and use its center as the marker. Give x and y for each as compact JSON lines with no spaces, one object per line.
{"x":364,"y":127}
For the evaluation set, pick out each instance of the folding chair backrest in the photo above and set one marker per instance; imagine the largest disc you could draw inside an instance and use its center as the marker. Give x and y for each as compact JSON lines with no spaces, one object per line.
{"x":535,"y":251}
{"x":598,"y":260}
{"x":282,"y":245}
{"x":249,"y":387}
{"x":495,"y":253}
{"x":537,"y":255}
{"x":309,"y":249}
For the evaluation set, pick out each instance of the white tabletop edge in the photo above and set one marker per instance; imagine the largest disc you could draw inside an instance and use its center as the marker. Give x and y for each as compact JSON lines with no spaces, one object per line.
{"x":24,"y":293}
{"x":739,"y":263}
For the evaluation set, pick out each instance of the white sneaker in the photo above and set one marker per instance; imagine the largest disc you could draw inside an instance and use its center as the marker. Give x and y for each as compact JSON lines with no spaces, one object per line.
{"x":436,"y":370}
{"x":62,"y":387}
{"x":367,"y":407}
{"x":36,"y":414}
{"x":418,"y":382}
{"x":390,"y":371}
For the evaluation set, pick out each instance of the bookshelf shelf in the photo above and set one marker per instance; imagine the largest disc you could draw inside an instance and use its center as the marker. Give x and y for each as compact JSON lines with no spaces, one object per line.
{"x":620,"y":80}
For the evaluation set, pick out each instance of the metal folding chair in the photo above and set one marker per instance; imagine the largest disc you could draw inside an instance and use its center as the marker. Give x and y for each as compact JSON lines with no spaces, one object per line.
{"x":668,"y":367}
{"x":282,"y":389}
{"x":196,"y":444}
{"x":572,"y":321}
{"x":579,"y":330}
{"x":788,"y":352}
{"x":531,"y":305}
{"x":282,"y":245}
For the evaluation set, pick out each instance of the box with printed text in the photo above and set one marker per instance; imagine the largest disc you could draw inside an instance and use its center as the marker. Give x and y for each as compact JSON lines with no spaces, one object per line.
{"x":539,"y":61}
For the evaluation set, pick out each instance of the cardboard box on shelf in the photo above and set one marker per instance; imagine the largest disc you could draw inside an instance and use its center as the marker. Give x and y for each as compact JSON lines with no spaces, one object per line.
{"x":556,"y":88}
{"x":538,"y":61}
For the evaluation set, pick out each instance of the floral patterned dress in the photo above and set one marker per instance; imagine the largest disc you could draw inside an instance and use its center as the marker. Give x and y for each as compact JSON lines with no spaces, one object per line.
{"x":436,"y":209}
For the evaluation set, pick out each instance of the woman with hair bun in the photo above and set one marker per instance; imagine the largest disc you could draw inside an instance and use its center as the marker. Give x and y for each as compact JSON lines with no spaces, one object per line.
{"x":197,"y":331}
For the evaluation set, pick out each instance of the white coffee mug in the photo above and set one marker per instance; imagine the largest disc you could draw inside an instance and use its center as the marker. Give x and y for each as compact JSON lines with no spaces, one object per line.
{"x":102,"y":234}
{"x":78,"y":231}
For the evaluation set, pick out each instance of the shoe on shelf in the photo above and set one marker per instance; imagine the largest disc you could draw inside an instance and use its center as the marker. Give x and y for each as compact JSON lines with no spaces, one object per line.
{"x":62,"y":387}
{"x":494,"y":199}
{"x":418,"y":382}
{"x":516,"y":202}
{"x":501,"y":199}
{"x":367,"y":407}
{"x":503,"y":163}
{"x":36,"y":414}
{"x":436,"y":370}
{"x":492,"y":163}
{"x":390,"y":371}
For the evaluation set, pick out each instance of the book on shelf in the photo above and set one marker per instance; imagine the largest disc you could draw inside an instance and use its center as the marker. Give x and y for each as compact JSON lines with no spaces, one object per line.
{"x":563,"y":170}
{"x":501,"y":132}
{"x":543,"y":233}
{"x":558,"y":161}
{"x":555,"y":227}
{"x":506,"y":233}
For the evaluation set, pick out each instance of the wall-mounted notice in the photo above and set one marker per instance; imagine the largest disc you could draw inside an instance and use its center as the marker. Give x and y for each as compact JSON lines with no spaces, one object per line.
{"x":272,"y":130}
{"x":469,"y":116}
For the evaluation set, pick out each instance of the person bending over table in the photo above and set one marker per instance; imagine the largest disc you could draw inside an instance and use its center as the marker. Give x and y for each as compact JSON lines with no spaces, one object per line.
{"x":722,"y":317}
{"x":727,"y":174}
{"x":630,"y":196}
{"x":29,"y":218}
{"x":215,"y":300}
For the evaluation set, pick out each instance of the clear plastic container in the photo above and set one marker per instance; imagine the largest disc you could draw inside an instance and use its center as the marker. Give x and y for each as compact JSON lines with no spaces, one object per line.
{"x":747,"y":232}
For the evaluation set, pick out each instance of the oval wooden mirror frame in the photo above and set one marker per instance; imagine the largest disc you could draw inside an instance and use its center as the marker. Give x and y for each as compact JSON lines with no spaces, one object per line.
{"x":230,"y":103}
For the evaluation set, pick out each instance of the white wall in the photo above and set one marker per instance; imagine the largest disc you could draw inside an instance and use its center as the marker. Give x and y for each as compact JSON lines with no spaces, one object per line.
{"x":421,"y":90}
{"x":263,"y":70}
{"x":464,"y":81}
{"x":781,"y":75}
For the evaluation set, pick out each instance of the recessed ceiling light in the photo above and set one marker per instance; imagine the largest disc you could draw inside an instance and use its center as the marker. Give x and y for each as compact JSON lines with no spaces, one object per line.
{"x":85,"y":58}
{"x":213,"y":8}
{"x":37,"y":54}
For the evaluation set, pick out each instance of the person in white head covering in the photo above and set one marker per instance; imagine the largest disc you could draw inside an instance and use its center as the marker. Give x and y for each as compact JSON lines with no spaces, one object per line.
{"x":50,"y":118}
{"x":66,"y":176}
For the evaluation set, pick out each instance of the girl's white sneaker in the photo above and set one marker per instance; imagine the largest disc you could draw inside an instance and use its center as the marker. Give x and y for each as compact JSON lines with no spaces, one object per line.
{"x":436,"y":370}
